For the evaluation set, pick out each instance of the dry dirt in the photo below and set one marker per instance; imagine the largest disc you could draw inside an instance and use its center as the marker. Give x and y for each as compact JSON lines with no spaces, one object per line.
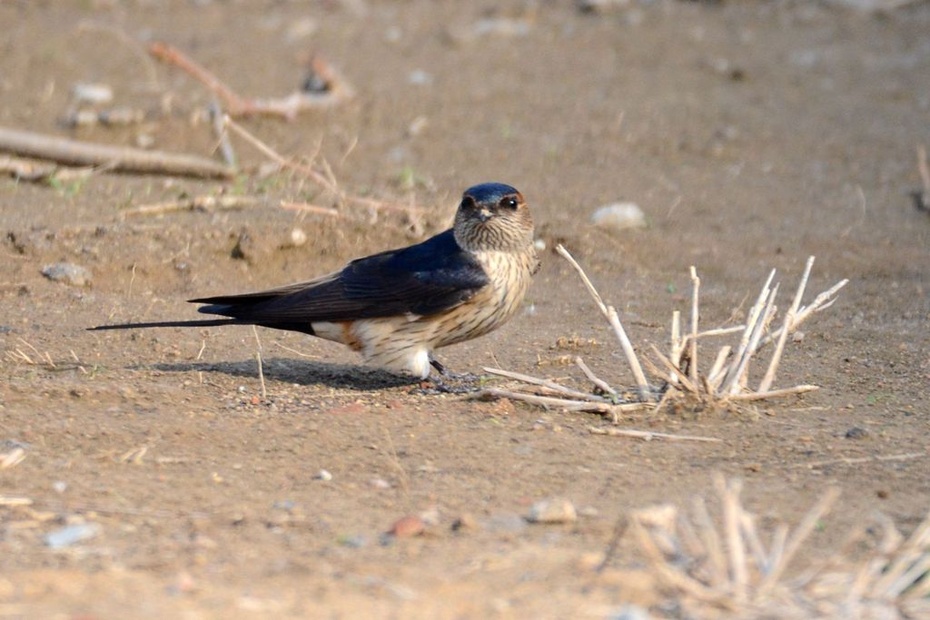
{"x":752,"y":134}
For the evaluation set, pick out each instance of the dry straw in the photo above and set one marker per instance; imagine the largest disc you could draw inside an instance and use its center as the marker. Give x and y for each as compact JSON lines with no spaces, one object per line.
{"x":724,"y":567}
{"x":677,"y":374}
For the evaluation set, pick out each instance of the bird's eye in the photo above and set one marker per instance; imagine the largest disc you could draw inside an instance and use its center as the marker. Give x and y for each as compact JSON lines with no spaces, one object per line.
{"x":509,"y":202}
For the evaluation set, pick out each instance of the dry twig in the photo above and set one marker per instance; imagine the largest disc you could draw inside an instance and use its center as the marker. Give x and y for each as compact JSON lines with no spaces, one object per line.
{"x":725,"y":564}
{"x":727,"y":379}
{"x":328,"y":87}
{"x":119,"y":159}
{"x":206,"y":204}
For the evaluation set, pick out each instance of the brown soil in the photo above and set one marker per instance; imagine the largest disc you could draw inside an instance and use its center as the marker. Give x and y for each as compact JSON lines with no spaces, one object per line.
{"x":751,"y":134}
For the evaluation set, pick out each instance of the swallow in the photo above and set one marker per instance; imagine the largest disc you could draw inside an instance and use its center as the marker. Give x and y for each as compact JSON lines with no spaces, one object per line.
{"x":397,"y":307}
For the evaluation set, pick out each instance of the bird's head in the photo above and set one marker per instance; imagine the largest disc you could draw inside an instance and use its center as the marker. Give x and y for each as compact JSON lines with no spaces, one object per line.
{"x":493,"y":216}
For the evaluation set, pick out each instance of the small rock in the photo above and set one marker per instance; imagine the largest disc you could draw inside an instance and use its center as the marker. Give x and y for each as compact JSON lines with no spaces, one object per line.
{"x":323,"y":475}
{"x":619,"y":216}
{"x":552,"y":510}
{"x":144,"y":140}
{"x":298,"y":237}
{"x":418,"y":77}
{"x":71,"y":534}
{"x":68,"y":273}
{"x":93,"y":94}
{"x":465,"y":523}
{"x":244,"y":248}
{"x":857,"y":432}
{"x":407,"y":527}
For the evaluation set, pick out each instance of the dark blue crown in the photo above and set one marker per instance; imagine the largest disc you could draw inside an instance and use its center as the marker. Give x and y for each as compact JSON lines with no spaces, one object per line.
{"x":489,"y":192}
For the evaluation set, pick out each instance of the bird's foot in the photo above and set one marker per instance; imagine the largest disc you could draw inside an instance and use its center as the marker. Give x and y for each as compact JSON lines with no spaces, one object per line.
{"x":449,"y":383}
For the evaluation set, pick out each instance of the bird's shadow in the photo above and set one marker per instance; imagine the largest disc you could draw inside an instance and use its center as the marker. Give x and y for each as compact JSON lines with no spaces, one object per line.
{"x":344,"y":376}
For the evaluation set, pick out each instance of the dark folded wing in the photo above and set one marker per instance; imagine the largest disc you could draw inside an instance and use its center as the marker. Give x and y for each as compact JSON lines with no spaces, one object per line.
{"x":422,"y":279}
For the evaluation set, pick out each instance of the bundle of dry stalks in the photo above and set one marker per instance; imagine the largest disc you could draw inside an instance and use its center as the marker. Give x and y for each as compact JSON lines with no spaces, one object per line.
{"x":723,"y":568}
{"x":677,"y":373}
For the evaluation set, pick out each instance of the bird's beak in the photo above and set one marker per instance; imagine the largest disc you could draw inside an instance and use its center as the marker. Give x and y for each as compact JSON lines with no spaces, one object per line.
{"x":484,"y":215}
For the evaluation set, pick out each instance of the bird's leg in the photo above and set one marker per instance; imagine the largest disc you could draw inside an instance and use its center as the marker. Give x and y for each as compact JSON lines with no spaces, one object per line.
{"x":451,"y":382}
{"x":435,"y":363}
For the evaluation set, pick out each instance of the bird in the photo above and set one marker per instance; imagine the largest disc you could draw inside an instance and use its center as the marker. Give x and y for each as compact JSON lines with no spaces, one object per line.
{"x":397,"y":307}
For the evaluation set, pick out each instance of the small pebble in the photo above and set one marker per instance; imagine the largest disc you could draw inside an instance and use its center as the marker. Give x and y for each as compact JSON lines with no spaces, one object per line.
{"x":619,"y":216}
{"x":465,"y":523}
{"x":323,"y":475}
{"x":552,"y":510}
{"x":418,"y":77}
{"x":857,"y":432}
{"x":71,"y":534}
{"x":298,"y":237}
{"x":408,"y":526}
{"x":68,"y":273}
{"x":93,"y":94}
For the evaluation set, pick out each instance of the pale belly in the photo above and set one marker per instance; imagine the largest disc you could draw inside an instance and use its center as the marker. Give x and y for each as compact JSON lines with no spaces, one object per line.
{"x":405,"y":343}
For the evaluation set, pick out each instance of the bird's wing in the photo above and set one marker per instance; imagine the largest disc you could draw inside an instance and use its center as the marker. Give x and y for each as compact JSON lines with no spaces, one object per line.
{"x":422,"y":279}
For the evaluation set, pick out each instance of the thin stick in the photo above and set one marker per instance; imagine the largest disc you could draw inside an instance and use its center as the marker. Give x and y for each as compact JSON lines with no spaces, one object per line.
{"x":549,"y":401}
{"x":309,"y":208}
{"x":334,"y":90}
{"x":754,"y":312}
{"x":866,"y":459}
{"x":648,"y":435}
{"x":777,"y":549}
{"x":769,"y":377}
{"x":552,"y":385}
{"x":820,"y":303}
{"x":717,"y":370}
{"x":222,"y":135}
{"x":194,"y":203}
{"x":685,"y":382}
{"x":620,"y":528}
{"x":749,"y":532}
{"x":630,"y":353}
{"x":695,"y":290}
{"x":798,"y":389}
{"x":598,"y":382}
{"x":672,"y":575}
{"x":737,"y":377}
{"x":258,"y":358}
{"x":720,"y":331}
{"x":729,"y":497}
{"x":713,"y":547}
{"x":273,"y":155}
{"x":611,"y":314}
{"x":120,"y":159}
{"x":675,"y":353}
{"x":800,"y":534}
{"x":27,"y":169}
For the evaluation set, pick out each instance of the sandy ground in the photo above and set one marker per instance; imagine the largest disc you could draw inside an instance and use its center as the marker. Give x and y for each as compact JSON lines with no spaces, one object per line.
{"x":752,"y":135}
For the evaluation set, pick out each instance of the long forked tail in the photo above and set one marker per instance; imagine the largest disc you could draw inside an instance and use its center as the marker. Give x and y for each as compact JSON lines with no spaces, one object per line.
{"x":190,"y":323}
